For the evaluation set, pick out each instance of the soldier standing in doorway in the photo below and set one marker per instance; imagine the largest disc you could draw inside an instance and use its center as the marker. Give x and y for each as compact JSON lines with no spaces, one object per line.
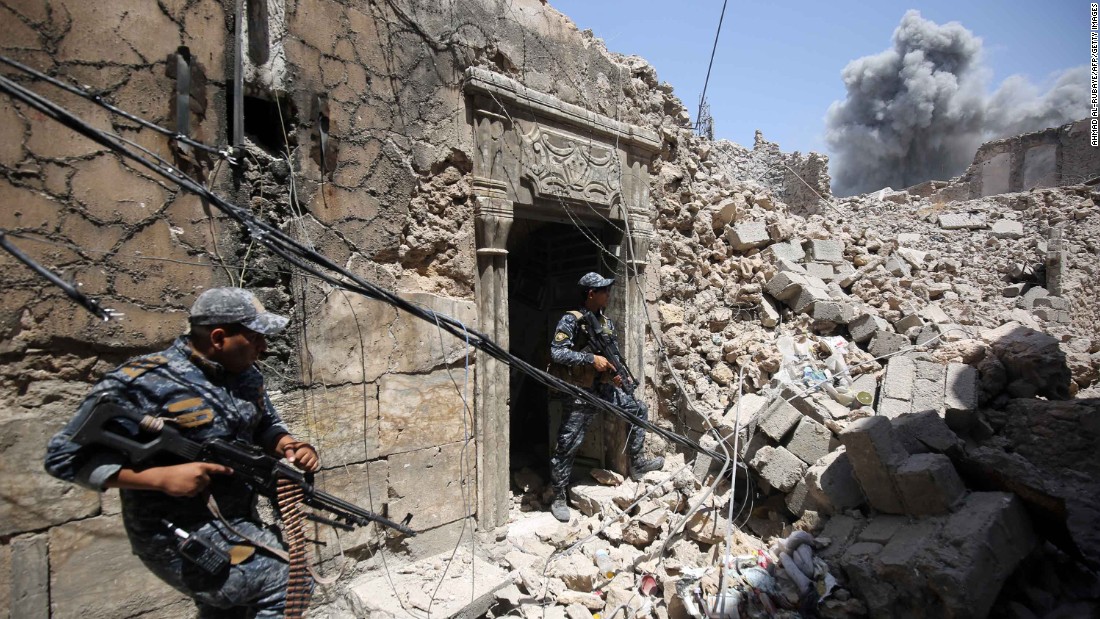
{"x":574,"y":359}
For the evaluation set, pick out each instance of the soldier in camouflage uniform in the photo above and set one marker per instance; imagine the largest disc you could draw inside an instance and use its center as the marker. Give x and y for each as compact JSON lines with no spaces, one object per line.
{"x":572,"y":359}
{"x":206,"y":385}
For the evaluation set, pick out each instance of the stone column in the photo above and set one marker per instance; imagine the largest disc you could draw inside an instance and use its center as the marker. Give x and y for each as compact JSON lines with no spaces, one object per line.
{"x":493,"y":220}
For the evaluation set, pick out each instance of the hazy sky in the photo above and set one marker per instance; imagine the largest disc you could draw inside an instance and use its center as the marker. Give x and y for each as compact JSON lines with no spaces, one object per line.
{"x":778,"y":65}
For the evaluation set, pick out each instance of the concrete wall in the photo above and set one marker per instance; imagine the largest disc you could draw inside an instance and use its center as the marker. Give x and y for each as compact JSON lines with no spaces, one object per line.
{"x":1048,"y":158}
{"x":390,"y":197}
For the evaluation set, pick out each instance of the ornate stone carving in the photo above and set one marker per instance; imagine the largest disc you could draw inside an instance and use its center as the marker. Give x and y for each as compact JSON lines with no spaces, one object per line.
{"x":560,"y":165}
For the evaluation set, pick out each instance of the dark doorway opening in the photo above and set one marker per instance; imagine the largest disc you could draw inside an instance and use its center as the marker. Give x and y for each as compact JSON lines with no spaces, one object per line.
{"x":545,"y":260}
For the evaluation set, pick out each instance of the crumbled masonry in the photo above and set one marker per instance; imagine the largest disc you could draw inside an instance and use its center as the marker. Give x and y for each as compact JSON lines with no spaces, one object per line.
{"x":952,"y":471}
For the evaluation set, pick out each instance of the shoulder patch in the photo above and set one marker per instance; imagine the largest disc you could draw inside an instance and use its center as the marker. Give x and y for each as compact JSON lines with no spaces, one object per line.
{"x":194,"y":419}
{"x":561,"y":336}
{"x":141,"y":365}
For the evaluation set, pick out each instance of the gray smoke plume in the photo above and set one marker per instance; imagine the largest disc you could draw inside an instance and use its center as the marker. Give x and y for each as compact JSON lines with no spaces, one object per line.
{"x":919,"y":111}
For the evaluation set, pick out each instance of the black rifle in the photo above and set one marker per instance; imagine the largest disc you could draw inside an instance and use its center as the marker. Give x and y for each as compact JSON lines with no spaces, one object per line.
{"x":260,"y":470}
{"x":605,"y":346}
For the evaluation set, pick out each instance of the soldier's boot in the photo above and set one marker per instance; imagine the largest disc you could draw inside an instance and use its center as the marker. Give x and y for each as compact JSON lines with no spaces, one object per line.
{"x":640,"y":465}
{"x":560,"y":507}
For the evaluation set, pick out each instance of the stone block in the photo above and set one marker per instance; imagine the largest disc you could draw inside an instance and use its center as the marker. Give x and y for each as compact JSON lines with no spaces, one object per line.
{"x":748,"y":235}
{"x":827,"y":250}
{"x":863,"y":327}
{"x":865,"y":382}
{"x":915,"y":257}
{"x":805,"y":404}
{"x":928,"y":396}
{"x":928,"y":336}
{"x":433,"y":483}
{"x":875,"y":453}
{"x":908,"y":543}
{"x":908,"y":322}
{"x":810,"y":441}
{"x":1057,"y":303}
{"x":807,"y":297}
{"x":833,"y":311}
{"x":769,"y":314}
{"x":961,"y":388}
{"x":419,"y":411}
{"x":981,"y":544}
{"x":818,"y":269}
{"x":1027,"y":300}
{"x":852,"y":277}
{"x":930,"y":370}
{"x":886,"y":343}
{"x":594,"y":499}
{"x":934,"y":314}
{"x":831,"y":485}
{"x":831,"y":409}
{"x":841,"y":532}
{"x":366,"y":485}
{"x":925,"y":431}
{"x":750,"y":448}
{"x":928,"y":484}
{"x":30,"y":577}
{"x":901,"y":372}
{"x":785,"y":285}
{"x":788,"y":250}
{"x":782,"y":264}
{"x":779,"y":467}
{"x":881,"y":529}
{"x":892,"y":408}
{"x":750,"y":406}
{"x":1007,"y":229}
{"x":778,"y":419}
{"x":33,"y":499}
{"x":341,"y":422}
{"x":1013,"y":290}
{"x":898,"y":267}
{"x":961,"y":221}
{"x":79,"y":552}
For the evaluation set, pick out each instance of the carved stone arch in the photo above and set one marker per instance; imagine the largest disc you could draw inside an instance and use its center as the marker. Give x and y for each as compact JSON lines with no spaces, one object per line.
{"x":533,"y":150}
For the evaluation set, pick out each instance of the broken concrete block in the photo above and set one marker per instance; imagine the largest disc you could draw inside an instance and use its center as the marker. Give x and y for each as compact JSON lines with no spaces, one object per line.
{"x":1007,"y":229}
{"x":831,"y":485}
{"x":898,"y":267}
{"x":863,"y":327}
{"x":833,"y":311}
{"x":827,"y":250}
{"x":1027,"y":301}
{"x":1053,"y":315}
{"x":881,"y":529}
{"x":901,"y":372}
{"x":805,"y":404}
{"x":875,"y":453}
{"x":908,"y":238}
{"x":934,"y":314}
{"x":748,"y":235}
{"x":1057,"y":303}
{"x":823,"y":271}
{"x":769,"y":314}
{"x":908,"y":322}
{"x":1013,"y":290}
{"x":779,"y":467}
{"x":928,"y":484}
{"x":886,"y":343}
{"x":928,"y":396}
{"x":707,"y":525}
{"x":782,"y":264}
{"x":807,"y":297}
{"x":788,"y":250}
{"x":853,"y":277}
{"x":915,"y":257}
{"x":749,"y":449}
{"x":810,"y":441}
{"x":1033,"y":360}
{"x":980,"y":546}
{"x":928,"y":336}
{"x":778,"y":419}
{"x":841,"y":532}
{"x":785,"y":285}
{"x":591,"y":499}
{"x":867,"y":383}
{"x":925,"y":432}
{"x":577,"y":571}
{"x":960,"y":221}
{"x":892,"y":408}
{"x":831,"y":409}
{"x":908,"y":543}
{"x":961,"y":396}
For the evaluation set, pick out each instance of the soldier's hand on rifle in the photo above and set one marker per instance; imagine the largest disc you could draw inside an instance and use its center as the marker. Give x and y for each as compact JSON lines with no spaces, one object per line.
{"x":617,"y":380}
{"x":187,"y":479}
{"x":601,"y":363}
{"x":300,"y":454}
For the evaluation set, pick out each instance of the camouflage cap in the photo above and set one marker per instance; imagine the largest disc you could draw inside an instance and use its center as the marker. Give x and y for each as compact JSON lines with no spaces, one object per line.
{"x":595,"y":280}
{"x":229,"y":306}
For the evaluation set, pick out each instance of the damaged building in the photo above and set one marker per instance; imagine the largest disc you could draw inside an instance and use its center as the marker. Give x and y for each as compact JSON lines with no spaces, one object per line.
{"x":905,"y":381}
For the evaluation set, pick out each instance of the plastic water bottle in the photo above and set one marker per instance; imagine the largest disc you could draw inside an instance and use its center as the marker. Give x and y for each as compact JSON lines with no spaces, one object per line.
{"x":603,"y":561}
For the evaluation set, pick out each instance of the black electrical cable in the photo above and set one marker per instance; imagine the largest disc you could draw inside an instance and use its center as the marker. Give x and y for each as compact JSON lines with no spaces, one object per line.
{"x":70,"y":290}
{"x":703,"y":97}
{"x":305,"y":258}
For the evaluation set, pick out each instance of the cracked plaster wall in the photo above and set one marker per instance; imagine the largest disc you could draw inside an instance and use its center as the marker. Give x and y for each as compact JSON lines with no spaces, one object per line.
{"x":393,"y":202}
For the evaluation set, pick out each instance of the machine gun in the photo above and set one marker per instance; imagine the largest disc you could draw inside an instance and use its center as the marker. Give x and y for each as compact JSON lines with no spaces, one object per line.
{"x":605,"y":346}
{"x":261,"y":471}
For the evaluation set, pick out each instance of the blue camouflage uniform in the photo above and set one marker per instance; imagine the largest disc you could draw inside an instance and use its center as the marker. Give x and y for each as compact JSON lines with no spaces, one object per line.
{"x":205,"y":402}
{"x":571,"y":348}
